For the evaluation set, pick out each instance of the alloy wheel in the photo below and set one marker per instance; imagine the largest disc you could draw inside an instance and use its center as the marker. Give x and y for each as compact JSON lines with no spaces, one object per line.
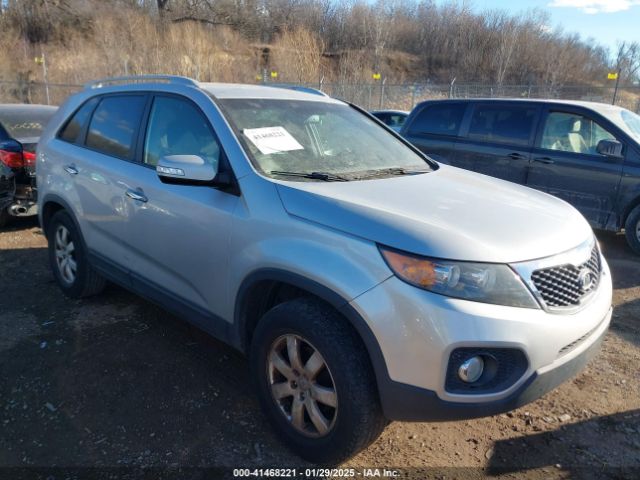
{"x":302,"y":386}
{"x":65,"y":254}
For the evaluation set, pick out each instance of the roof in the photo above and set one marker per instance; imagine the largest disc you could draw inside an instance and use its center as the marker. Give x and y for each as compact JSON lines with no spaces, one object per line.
{"x":598,"y":106}
{"x":238,"y":90}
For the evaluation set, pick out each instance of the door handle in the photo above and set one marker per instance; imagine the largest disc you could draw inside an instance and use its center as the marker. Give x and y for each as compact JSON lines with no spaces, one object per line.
{"x":71,"y":170}
{"x":545,"y":160}
{"x":516,"y":156}
{"x":136,"y":196}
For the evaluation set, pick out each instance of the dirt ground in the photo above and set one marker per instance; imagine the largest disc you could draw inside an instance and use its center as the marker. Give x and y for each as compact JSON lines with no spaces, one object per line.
{"x":116,"y":383}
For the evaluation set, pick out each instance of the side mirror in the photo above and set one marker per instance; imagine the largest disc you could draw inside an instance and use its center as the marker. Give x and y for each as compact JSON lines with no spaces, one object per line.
{"x":186,"y":169}
{"x":609,"y":148}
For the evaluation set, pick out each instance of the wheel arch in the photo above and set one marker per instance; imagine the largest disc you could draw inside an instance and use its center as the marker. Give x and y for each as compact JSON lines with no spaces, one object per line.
{"x":52,"y":204}
{"x":628,"y":209}
{"x":259,"y":292}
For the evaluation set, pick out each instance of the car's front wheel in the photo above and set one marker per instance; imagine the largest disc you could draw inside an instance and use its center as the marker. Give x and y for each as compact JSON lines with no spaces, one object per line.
{"x":68,"y":258}
{"x":632,"y":229}
{"x":315,"y":381}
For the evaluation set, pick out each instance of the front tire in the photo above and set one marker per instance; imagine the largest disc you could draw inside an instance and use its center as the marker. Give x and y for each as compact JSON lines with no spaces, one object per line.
{"x":315,"y":382}
{"x":632,"y":229}
{"x":68,"y":259}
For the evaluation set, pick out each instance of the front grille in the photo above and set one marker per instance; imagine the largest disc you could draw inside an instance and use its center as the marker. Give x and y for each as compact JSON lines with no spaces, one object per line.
{"x":567,"y":285}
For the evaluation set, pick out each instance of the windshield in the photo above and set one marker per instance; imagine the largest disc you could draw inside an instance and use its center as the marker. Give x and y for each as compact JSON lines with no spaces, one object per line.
{"x":305,"y":137}
{"x":632,"y":121}
{"x":24,"y":123}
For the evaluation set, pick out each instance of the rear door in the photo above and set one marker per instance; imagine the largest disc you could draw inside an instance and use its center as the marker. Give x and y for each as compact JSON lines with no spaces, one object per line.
{"x":434,"y":129}
{"x":566,"y":164}
{"x":497,"y":139}
{"x":98,"y":165}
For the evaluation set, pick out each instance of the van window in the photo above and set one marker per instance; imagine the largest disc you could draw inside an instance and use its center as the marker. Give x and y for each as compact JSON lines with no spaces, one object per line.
{"x":176,"y":127}
{"x":570,"y":132}
{"x":114,"y":125}
{"x":508,"y":124}
{"x":74,"y":126}
{"x":439,"y":119}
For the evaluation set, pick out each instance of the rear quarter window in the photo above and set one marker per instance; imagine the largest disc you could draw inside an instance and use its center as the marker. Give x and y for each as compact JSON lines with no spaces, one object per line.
{"x":439,"y":119}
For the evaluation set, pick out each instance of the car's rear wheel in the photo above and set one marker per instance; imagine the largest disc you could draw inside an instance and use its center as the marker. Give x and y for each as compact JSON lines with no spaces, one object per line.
{"x":68,"y":258}
{"x":315,"y":381}
{"x":632,"y":229}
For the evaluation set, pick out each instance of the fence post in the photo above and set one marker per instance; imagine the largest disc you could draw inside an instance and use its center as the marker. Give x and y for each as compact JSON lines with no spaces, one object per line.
{"x":43,"y":61}
{"x":615,"y":90}
{"x":382,"y":92}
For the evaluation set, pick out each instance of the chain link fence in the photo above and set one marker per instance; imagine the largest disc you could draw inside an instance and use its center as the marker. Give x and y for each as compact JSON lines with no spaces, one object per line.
{"x":405,"y":97}
{"x":374,"y":96}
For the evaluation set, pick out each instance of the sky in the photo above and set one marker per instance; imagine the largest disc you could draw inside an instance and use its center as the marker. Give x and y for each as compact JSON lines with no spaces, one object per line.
{"x":606,"y":21}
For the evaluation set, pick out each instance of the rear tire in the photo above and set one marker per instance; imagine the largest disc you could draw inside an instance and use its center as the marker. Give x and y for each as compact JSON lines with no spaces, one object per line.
{"x":328,"y":346}
{"x":68,"y":257}
{"x":632,"y":229}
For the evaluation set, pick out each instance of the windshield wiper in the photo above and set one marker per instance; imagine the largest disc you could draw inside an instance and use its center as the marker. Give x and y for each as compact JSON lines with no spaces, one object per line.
{"x":392,"y":171}
{"x":325,"y":177}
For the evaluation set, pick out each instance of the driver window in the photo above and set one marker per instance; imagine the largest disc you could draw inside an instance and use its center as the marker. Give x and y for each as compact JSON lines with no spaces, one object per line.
{"x":176,"y":127}
{"x":571,"y":132}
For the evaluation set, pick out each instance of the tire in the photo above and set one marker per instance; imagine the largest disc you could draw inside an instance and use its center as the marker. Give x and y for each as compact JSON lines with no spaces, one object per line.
{"x":79,"y":281}
{"x":632,"y":229}
{"x":357,"y":419}
{"x":4,"y":217}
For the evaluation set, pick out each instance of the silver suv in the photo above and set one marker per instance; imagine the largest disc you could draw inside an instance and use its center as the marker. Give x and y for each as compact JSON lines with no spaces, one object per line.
{"x":366,"y":282}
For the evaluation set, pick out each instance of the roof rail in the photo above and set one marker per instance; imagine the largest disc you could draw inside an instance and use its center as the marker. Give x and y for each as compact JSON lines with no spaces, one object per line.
{"x":175,"y":79}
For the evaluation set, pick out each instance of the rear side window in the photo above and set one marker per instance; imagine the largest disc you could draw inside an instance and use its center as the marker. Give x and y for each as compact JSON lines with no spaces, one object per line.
{"x":443,"y":119}
{"x":503,"y":124}
{"x":114,"y":125}
{"x":75,"y":125}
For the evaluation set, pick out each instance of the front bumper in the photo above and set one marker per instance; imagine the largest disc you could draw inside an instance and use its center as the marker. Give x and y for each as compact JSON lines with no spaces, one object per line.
{"x":404,"y":402}
{"x":416,"y":331}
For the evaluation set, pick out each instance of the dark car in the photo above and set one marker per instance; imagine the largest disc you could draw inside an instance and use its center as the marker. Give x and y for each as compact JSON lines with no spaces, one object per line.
{"x":394,"y":119}
{"x":20,"y":129}
{"x":583,"y":152}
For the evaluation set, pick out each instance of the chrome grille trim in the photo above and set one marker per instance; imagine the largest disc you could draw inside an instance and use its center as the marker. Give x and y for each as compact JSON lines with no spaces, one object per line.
{"x":556,"y":281}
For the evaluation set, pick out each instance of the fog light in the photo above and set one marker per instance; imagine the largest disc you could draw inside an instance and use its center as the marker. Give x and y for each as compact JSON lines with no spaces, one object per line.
{"x":471,"y":369}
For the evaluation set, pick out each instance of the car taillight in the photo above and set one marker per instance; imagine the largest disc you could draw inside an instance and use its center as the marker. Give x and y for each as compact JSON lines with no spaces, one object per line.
{"x":12,"y":159}
{"x":29,"y":159}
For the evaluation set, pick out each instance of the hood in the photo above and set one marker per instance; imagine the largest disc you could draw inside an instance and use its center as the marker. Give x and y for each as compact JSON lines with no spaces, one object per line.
{"x":449,"y":213}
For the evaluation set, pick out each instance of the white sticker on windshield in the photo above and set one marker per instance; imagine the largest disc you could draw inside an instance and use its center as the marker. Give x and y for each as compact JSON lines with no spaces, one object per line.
{"x":272,"y":140}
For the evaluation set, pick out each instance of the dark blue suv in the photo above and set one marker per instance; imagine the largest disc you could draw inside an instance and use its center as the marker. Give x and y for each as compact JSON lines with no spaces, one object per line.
{"x":583,"y":152}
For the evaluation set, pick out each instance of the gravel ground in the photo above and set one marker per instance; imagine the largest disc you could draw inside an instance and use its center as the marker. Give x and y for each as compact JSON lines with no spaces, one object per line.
{"x":117,"y":383}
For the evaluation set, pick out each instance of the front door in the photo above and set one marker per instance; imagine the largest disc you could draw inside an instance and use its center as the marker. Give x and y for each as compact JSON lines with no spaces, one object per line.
{"x":565,"y":163}
{"x":180,"y":233}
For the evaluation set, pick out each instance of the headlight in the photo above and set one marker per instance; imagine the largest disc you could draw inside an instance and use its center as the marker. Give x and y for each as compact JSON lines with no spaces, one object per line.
{"x":480,"y":282}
